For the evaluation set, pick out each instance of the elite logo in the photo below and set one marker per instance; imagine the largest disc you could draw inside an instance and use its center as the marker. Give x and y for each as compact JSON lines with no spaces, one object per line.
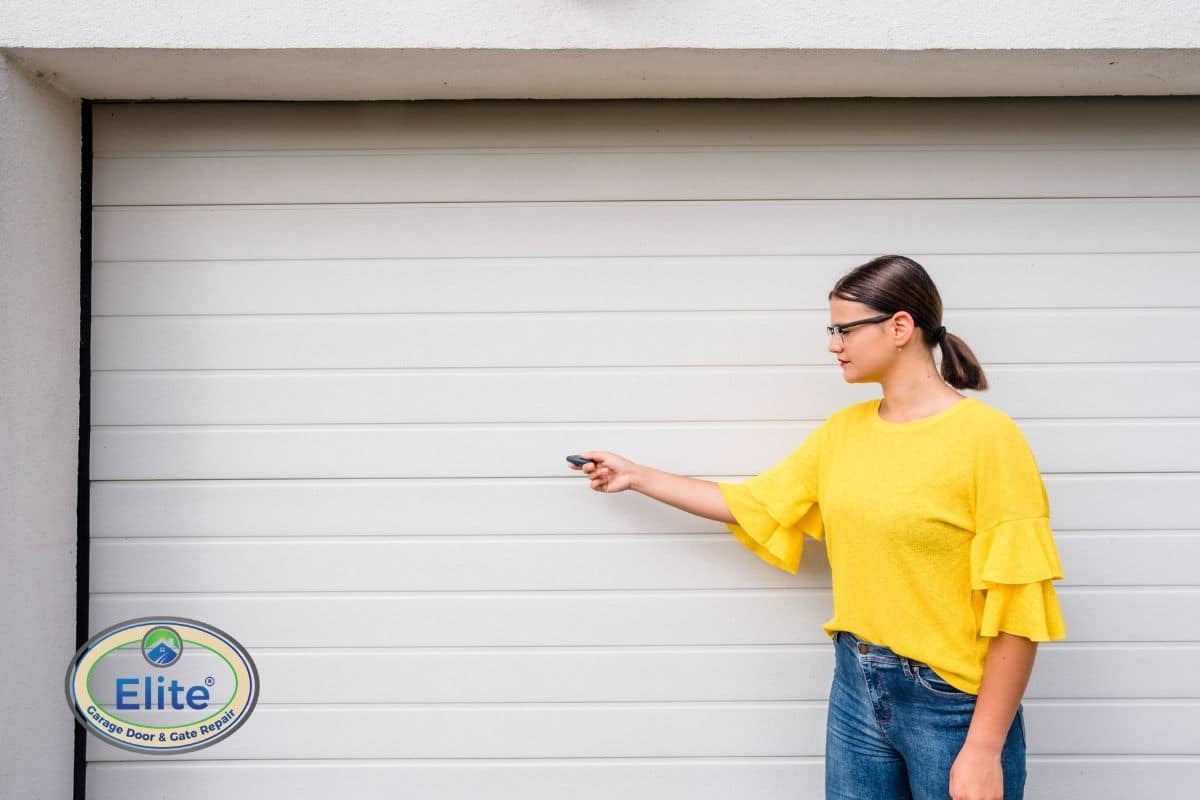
{"x":162,"y":685}
{"x":161,"y":646}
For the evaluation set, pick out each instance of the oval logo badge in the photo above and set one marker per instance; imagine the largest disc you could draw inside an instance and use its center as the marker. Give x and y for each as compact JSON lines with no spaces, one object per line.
{"x":162,"y":685}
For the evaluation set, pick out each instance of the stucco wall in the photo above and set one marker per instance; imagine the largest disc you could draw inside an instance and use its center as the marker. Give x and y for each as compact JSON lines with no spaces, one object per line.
{"x":39,"y":429}
{"x":542,"y":49}
{"x":612,"y":24}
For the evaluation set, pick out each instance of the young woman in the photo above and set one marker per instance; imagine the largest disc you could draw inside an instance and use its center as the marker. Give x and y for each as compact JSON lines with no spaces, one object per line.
{"x":936,"y":523}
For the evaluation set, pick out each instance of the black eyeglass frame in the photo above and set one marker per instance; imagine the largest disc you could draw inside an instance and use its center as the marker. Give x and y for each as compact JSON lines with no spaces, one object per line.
{"x":840,"y":329}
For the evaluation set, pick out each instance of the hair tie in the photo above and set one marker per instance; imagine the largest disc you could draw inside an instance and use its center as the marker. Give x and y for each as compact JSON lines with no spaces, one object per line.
{"x":939,"y":335}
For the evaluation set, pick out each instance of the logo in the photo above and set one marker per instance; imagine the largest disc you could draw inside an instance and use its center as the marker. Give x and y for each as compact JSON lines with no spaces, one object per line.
{"x":162,"y":685}
{"x":161,"y":646}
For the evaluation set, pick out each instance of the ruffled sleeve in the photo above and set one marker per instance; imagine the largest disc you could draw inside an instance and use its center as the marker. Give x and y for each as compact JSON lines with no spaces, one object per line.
{"x":1014,"y":559}
{"x":1014,"y":564}
{"x":776,"y":508}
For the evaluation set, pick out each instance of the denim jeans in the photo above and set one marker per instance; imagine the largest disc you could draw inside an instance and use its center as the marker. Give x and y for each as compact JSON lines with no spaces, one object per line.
{"x":895,"y":728}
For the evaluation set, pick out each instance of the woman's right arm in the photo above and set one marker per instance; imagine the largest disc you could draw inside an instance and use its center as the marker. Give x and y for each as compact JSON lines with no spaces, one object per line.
{"x":694,"y":495}
{"x":612,"y":473}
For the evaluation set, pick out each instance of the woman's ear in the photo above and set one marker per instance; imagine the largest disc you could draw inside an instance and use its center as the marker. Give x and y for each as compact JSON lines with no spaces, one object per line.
{"x":903,"y":328}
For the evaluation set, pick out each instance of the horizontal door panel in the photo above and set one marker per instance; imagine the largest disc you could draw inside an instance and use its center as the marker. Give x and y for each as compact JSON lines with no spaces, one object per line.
{"x":766,"y":778}
{"x":550,"y":507}
{"x":643,"y":172}
{"x":394,"y":451}
{"x":623,"y":730}
{"x":975,"y":286}
{"x":594,"y":618}
{"x":745,"y":227}
{"x":484,"y":563}
{"x":614,"y":339}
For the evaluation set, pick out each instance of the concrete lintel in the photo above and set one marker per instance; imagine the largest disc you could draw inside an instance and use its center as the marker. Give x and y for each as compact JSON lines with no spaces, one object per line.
{"x":456,"y":74}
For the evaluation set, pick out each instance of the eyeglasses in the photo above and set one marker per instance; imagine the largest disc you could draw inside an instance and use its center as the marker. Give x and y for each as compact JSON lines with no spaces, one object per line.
{"x":840,"y":330}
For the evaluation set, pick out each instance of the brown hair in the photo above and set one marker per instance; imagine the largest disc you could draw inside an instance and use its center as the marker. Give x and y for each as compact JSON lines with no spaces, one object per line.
{"x":894,"y":283}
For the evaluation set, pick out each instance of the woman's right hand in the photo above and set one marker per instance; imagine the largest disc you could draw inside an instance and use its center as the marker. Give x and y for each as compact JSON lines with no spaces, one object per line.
{"x":609,"y":473}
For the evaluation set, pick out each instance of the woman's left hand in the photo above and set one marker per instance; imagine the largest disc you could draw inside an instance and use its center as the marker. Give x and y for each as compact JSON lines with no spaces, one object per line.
{"x":976,"y":774}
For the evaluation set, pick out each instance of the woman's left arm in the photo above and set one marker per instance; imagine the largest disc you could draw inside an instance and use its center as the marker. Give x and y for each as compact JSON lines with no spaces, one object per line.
{"x":976,"y":773}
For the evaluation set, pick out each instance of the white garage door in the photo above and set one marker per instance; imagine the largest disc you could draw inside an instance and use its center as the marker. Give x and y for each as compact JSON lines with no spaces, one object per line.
{"x":340,"y":351}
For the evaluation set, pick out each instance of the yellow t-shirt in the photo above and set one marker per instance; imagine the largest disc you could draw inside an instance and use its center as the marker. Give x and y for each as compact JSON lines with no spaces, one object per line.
{"x":937,"y":530}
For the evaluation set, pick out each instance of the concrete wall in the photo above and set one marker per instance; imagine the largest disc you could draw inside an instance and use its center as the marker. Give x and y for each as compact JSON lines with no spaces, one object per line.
{"x":39,"y":429}
{"x":604,"y":25}
{"x":544,"y":49}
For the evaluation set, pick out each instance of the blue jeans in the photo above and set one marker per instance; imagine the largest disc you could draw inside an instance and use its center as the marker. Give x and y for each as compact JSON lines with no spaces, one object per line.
{"x":895,"y":728}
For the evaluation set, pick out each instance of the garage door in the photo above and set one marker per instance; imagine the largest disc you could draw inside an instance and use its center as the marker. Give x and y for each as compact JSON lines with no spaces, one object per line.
{"x":340,"y":351}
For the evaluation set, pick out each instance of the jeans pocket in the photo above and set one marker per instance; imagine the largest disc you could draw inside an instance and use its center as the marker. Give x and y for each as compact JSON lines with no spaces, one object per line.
{"x":935,"y":683}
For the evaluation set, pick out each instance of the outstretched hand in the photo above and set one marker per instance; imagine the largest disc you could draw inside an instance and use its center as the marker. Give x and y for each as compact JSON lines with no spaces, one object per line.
{"x":609,"y":472}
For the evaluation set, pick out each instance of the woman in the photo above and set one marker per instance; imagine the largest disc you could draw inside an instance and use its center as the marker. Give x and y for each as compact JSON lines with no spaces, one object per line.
{"x":936,"y":523}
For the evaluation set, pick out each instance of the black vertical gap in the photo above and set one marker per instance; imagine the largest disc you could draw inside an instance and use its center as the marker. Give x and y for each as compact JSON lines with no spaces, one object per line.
{"x":83,"y":498}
